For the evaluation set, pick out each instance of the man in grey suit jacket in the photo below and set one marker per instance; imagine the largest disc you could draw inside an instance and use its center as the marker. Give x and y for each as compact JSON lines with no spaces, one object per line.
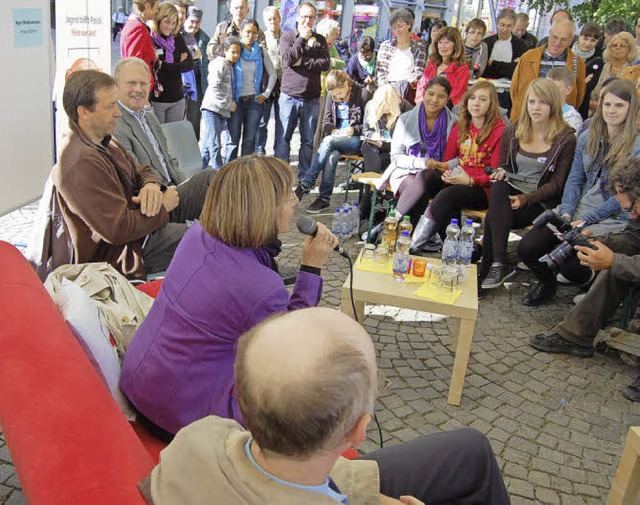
{"x":139,"y":132}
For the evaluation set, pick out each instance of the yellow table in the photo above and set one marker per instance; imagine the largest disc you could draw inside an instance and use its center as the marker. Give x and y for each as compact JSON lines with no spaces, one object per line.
{"x":382,"y":289}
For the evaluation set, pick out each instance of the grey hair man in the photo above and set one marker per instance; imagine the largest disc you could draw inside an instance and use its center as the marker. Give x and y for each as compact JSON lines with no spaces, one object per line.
{"x":272,"y":33}
{"x":504,"y":49}
{"x":306,"y":386}
{"x":139,"y":132}
{"x":537,"y":63}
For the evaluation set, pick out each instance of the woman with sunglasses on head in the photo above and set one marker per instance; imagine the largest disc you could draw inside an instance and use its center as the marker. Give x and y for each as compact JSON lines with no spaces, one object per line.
{"x":620,"y":54}
{"x":472,"y":146}
{"x":174,"y":58}
{"x":587,"y":200}
{"x":538,"y":150}
{"x":221,"y":282}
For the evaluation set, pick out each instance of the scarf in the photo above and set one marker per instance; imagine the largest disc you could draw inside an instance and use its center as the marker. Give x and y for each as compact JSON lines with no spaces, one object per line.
{"x":369,"y":66}
{"x":255,"y":54}
{"x":432,"y":143}
{"x":168,"y":44}
{"x":585,"y":55}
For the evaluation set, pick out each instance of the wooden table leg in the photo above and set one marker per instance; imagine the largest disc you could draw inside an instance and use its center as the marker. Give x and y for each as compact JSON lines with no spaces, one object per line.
{"x":456,"y":332}
{"x":461,"y":359}
{"x":346,"y":307}
{"x":626,"y":483}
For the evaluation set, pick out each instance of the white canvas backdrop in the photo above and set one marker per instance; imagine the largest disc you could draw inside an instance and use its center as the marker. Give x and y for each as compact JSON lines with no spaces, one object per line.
{"x":26,"y":118}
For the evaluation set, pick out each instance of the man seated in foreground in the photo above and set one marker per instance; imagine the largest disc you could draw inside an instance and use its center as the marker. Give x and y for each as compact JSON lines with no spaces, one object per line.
{"x":618,"y":271}
{"x":306,"y":385}
{"x":139,"y":132}
{"x":115,"y":209}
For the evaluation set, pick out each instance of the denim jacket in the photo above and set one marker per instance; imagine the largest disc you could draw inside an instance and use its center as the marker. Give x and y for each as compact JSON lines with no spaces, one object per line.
{"x":581,"y":179}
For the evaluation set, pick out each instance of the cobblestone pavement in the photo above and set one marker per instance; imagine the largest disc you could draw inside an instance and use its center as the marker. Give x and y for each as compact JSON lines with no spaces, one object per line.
{"x":557,"y":424}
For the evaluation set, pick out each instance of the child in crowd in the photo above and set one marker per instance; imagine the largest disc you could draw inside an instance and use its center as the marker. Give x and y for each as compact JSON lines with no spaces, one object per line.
{"x":565,"y":80}
{"x":476,"y":50}
{"x":219,"y":101}
{"x":362,"y":65}
{"x":586,"y":48}
{"x":342,"y":126}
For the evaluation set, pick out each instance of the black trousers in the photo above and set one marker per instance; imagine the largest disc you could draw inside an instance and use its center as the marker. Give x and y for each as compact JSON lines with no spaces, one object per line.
{"x":453,"y":467}
{"x":540,"y":241}
{"x":376,"y":159}
{"x":501,"y":219}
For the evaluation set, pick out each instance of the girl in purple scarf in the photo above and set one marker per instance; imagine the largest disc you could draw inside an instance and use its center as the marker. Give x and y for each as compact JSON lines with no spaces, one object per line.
{"x":417,"y":149}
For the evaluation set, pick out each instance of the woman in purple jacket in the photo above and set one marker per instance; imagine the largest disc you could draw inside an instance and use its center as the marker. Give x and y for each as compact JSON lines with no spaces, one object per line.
{"x":221,"y":282}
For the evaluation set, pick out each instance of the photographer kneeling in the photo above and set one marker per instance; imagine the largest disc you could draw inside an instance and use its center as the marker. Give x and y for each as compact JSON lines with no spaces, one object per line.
{"x":619,"y":271}
{"x":601,"y":151}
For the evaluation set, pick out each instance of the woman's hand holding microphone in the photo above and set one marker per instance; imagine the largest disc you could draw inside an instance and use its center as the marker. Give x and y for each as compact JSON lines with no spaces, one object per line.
{"x":316,"y":250}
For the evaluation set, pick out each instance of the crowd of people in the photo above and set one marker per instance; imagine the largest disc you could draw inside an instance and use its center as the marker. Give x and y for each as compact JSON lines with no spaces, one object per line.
{"x":293,"y":392}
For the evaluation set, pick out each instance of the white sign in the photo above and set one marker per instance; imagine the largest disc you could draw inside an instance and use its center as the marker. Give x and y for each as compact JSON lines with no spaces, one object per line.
{"x":83,"y":42}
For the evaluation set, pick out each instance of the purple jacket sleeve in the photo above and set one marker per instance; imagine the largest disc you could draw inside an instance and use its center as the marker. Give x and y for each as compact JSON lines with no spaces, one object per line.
{"x":306,"y":293}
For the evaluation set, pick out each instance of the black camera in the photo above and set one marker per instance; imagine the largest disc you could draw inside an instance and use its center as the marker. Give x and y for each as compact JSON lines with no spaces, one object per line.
{"x":572,"y":238}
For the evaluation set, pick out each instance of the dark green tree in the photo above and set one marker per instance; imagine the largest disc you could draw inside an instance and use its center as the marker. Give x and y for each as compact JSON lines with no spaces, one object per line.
{"x":598,"y":11}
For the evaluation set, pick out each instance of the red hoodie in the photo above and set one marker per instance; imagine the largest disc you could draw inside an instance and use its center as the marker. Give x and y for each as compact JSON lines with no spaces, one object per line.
{"x":473,"y":157}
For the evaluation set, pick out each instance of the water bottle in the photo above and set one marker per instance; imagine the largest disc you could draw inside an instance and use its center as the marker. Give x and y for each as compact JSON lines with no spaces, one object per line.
{"x":346,"y":224}
{"x":336,"y":224}
{"x":355,"y":211}
{"x":401,"y":256}
{"x":390,"y":231}
{"x":465,"y":244}
{"x":450,"y":246}
{"x":405,"y":225}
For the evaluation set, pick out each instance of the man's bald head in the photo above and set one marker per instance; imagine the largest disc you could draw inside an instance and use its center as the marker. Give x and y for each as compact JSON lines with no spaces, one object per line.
{"x":304,"y":379}
{"x":560,"y":37}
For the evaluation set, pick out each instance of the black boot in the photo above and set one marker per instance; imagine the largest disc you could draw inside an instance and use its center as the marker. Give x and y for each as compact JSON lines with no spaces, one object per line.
{"x":425,"y":236}
{"x":544,"y":290}
{"x":632,"y":391}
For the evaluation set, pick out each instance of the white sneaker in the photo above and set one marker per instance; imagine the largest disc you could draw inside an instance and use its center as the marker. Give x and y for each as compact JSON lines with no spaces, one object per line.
{"x":563,"y":280}
{"x":578,"y":298}
{"x":521,"y":266}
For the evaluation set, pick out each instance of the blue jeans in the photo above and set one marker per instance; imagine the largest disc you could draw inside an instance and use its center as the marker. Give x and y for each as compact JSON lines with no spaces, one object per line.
{"x":210,"y":145}
{"x":329,"y":152}
{"x":292,"y":111}
{"x":244,"y":123}
{"x":261,"y":138}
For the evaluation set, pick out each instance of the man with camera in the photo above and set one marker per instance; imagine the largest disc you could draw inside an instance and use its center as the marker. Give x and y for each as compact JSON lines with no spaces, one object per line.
{"x":618,"y":271}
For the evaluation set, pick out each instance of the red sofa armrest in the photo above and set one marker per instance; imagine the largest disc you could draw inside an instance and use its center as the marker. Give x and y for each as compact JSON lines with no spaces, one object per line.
{"x":69,"y":442}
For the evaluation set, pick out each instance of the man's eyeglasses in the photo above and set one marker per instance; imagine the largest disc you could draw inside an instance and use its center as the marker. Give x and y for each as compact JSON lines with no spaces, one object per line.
{"x":308,"y":18}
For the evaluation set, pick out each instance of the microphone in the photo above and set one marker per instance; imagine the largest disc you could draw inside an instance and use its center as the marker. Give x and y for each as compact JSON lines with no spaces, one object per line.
{"x":308,"y":226}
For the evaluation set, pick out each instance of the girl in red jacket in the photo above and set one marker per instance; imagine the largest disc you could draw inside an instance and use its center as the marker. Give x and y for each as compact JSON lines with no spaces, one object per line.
{"x":448,"y":60}
{"x":472,"y":146}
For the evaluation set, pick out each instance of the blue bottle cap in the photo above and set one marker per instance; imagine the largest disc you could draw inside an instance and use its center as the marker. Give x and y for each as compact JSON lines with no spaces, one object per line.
{"x":454,"y":221}
{"x":469,"y":222}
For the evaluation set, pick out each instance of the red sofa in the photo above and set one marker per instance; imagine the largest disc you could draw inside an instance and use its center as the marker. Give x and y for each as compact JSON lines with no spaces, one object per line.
{"x":69,"y":442}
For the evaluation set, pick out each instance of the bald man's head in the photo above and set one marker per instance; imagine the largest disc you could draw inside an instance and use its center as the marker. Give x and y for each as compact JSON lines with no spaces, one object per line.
{"x":560,"y":37}
{"x":304,"y":379}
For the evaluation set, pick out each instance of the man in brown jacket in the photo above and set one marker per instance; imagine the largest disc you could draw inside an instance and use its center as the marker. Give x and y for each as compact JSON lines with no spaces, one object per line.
{"x":537,"y":63}
{"x":306,"y":386}
{"x":115,"y":210}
